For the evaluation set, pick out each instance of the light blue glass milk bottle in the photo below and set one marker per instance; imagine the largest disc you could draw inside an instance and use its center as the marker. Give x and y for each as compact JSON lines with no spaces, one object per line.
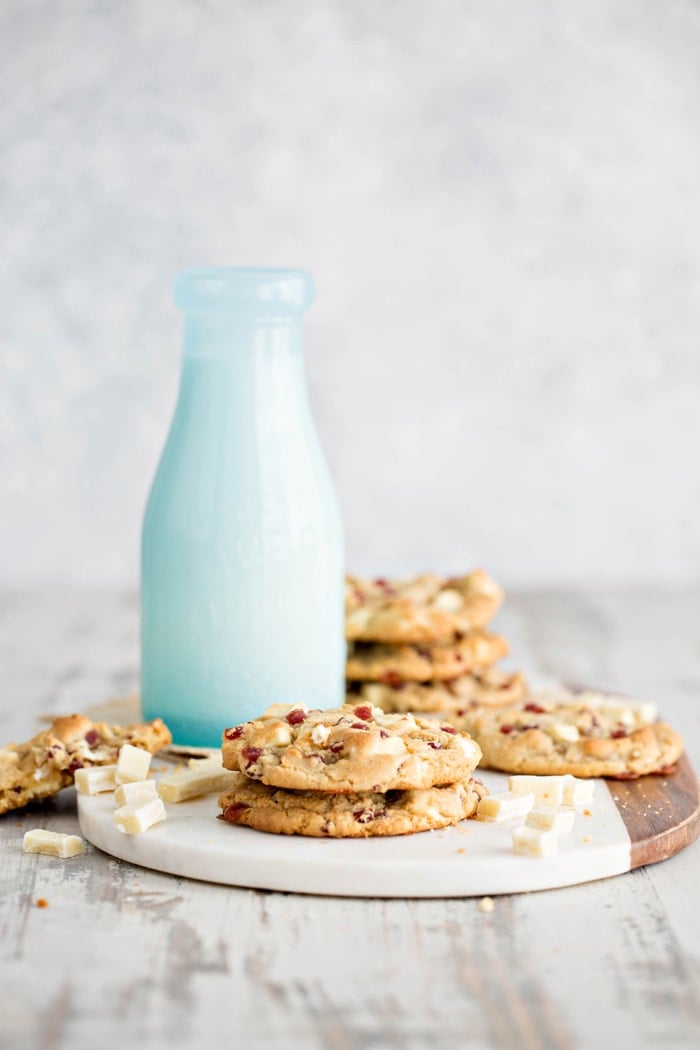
{"x":242,"y":553}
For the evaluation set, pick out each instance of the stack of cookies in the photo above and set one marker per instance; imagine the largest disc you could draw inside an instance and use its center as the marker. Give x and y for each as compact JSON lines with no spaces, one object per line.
{"x":421,"y":644}
{"x":348,"y":772}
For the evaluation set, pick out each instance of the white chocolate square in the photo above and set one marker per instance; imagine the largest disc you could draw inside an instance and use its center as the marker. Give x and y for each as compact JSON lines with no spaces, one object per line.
{"x":135,"y":793}
{"x":281,"y":737}
{"x":504,"y":806}
{"x":531,"y":842}
{"x":563,"y":731}
{"x":646,"y":711}
{"x":625,"y":715}
{"x":549,"y":818}
{"x":372,"y":691}
{"x":180,"y":786}
{"x":389,"y":745}
{"x":320,"y":734}
{"x":52,"y":843}
{"x":548,"y":791}
{"x":620,"y":707}
{"x":214,"y":761}
{"x":95,"y":780}
{"x":448,"y":600}
{"x":132,"y":819}
{"x":133,"y":764}
{"x":469,"y":747}
{"x":577,"y":792}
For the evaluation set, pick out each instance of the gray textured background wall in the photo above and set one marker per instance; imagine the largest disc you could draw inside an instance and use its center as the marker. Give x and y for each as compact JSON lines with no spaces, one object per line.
{"x":499,"y":202}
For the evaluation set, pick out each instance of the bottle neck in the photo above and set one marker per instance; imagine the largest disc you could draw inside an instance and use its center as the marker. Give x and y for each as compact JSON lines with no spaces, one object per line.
{"x":246,"y":368}
{"x":228,"y":337}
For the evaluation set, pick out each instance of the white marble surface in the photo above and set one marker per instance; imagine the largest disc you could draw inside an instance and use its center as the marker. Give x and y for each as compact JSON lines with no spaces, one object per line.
{"x":123,"y":956}
{"x":499,"y":203}
{"x":472,"y":859}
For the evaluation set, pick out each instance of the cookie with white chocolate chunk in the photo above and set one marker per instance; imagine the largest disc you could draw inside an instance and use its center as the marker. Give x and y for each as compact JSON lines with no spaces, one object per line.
{"x":367,"y":662}
{"x":575,"y":737}
{"x":39,"y":768}
{"x":424,"y":608}
{"x":357,"y":815}
{"x":348,"y":749}
{"x":491,"y":687}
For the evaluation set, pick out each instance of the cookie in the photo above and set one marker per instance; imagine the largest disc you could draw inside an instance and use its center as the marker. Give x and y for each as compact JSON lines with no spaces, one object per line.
{"x":572,"y":737}
{"x":348,"y":816}
{"x":453,"y":696}
{"x":39,"y":768}
{"x":426,"y":608}
{"x":390,"y":664}
{"x":348,"y":749}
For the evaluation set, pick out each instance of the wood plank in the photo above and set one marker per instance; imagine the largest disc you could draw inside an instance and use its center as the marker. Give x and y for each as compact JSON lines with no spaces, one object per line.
{"x":661,"y":813}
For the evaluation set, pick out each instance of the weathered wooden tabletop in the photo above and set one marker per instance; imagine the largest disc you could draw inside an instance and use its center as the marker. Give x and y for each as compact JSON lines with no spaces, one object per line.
{"x":126,"y":957}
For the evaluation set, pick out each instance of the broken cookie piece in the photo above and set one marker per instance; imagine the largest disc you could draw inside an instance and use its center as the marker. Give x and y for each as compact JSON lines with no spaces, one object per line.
{"x":42,"y":766}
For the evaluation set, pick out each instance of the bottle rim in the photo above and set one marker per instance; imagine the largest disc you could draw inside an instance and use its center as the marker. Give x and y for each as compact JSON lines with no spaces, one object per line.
{"x":269,"y":291}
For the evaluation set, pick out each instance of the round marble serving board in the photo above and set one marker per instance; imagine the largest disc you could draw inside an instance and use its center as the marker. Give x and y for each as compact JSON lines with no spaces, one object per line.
{"x":631,"y":823}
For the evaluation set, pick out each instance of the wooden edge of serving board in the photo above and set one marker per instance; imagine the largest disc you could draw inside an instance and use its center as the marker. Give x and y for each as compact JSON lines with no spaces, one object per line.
{"x":661,"y":813}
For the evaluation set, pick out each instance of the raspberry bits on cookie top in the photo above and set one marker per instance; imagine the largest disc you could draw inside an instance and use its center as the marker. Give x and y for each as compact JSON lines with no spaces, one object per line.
{"x":424,"y":608}
{"x":348,"y":749}
{"x":545,"y":737}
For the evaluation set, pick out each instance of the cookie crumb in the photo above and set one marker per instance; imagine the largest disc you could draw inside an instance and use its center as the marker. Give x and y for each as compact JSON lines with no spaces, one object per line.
{"x":587,"y":813}
{"x":460,"y":850}
{"x":486,"y":905}
{"x":41,"y":902}
{"x":586,"y":838}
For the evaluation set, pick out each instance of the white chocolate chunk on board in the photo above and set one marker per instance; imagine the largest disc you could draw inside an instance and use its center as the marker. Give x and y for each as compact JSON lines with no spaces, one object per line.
{"x":504,"y":806}
{"x":133,"y":764}
{"x":178,"y":787}
{"x":214,"y":761}
{"x":52,"y":843}
{"x":548,"y":791}
{"x":577,"y":792}
{"x":135,"y":793}
{"x":532,"y":842}
{"x":95,"y":780}
{"x":134,"y":818}
{"x":550,"y":818}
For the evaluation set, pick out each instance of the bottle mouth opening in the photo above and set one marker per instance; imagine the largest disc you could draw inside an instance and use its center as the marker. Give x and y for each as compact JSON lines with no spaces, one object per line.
{"x":270,"y":292}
